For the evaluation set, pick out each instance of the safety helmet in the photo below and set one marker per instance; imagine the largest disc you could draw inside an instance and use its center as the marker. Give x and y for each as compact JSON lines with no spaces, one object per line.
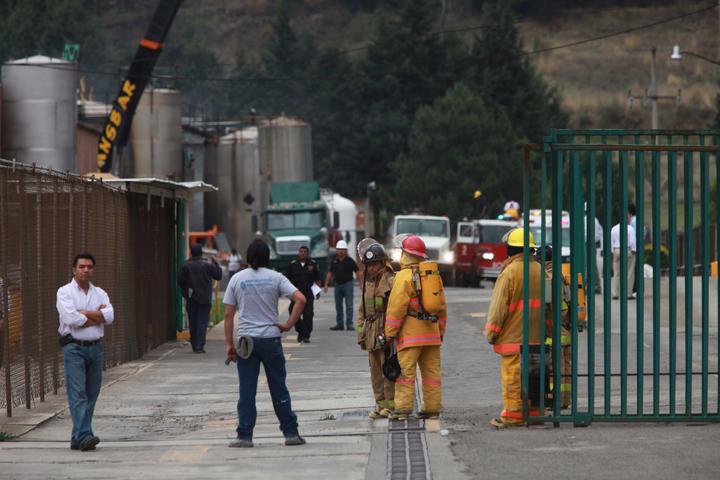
{"x":414,"y":245}
{"x":514,"y":238}
{"x":341,"y":245}
{"x":374,"y":253}
{"x":363,"y":245}
{"x":477,"y":194}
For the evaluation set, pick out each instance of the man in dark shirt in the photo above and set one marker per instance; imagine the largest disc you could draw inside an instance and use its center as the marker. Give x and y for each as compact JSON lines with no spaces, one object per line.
{"x":195,"y":280}
{"x":303,"y":272}
{"x":342,"y":268}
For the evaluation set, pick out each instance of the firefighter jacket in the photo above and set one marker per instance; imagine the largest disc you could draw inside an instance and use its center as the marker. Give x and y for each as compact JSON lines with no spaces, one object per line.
{"x":403,"y":308}
{"x":371,"y":314}
{"x":504,"y":327}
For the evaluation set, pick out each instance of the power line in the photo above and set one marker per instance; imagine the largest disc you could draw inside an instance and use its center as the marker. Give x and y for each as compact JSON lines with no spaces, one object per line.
{"x":621,"y":32}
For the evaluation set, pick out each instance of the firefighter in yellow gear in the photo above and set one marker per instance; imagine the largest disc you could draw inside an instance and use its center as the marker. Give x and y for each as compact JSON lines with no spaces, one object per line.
{"x":418,"y":329}
{"x":504,"y":327}
{"x":565,"y":338}
{"x":377,"y":282}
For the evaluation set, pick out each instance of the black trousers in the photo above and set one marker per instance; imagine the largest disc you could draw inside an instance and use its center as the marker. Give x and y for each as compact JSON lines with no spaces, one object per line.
{"x":198,"y":318}
{"x":304,"y":326}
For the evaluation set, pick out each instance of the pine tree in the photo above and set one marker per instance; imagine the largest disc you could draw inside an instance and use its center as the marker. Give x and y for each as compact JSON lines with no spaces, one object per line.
{"x":405,"y":68}
{"x":503,"y":75}
{"x":456,"y":145}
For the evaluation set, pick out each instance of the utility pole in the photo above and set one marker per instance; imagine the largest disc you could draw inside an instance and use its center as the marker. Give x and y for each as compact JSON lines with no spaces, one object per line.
{"x":653,"y":88}
{"x":653,"y":96}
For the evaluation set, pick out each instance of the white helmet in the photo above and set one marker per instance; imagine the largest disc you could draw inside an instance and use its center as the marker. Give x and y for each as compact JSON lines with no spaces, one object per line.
{"x":341,"y":245}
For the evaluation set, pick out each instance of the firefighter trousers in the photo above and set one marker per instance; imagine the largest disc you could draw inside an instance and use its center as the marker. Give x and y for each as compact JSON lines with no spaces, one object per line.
{"x":565,"y":375}
{"x":383,"y":389}
{"x":428,"y":359}
{"x":510,"y":368}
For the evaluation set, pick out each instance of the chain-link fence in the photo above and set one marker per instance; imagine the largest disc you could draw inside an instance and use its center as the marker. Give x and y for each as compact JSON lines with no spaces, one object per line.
{"x":47,"y":218}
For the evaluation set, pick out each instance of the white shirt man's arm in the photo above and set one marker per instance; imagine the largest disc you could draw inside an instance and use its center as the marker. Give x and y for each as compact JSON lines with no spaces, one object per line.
{"x":108,"y":312}
{"x":66,"y":310}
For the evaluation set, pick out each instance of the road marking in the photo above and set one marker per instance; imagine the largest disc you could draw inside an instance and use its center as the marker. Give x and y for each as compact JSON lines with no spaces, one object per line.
{"x":476,"y":314}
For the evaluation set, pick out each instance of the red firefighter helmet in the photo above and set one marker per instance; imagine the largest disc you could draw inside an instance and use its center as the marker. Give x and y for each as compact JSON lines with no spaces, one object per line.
{"x":414,"y":245}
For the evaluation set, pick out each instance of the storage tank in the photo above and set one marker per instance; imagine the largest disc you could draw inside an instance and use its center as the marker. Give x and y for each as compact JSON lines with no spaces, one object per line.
{"x":238,"y":181}
{"x":156,"y":135}
{"x":286,"y":150}
{"x":39,"y":111}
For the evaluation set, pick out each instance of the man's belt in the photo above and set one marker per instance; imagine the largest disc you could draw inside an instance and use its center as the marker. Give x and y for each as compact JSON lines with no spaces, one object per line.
{"x":423,"y":316}
{"x":85,"y":343}
{"x":67,"y":338}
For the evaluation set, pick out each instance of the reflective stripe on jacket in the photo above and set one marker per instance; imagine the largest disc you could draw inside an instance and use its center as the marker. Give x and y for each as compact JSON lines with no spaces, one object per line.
{"x":504,"y":327}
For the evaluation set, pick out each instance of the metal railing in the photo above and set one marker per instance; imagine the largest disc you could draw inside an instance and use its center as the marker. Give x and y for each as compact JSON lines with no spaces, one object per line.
{"x":653,"y":357}
{"x":45,"y":219}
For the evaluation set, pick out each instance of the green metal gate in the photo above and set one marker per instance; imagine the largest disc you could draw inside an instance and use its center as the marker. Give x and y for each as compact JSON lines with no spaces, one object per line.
{"x":653,"y":358}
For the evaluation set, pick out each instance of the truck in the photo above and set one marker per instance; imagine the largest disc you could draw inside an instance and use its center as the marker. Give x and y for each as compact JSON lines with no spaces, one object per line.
{"x":479,"y":250}
{"x":536,"y":229}
{"x":297,"y":216}
{"x":435,"y":232}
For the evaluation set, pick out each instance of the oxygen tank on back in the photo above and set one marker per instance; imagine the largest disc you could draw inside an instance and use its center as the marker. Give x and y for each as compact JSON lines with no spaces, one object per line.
{"x":431,"y":295}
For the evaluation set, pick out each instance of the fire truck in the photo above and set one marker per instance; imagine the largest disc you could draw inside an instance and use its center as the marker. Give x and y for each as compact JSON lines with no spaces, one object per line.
{"x":479,"y":250}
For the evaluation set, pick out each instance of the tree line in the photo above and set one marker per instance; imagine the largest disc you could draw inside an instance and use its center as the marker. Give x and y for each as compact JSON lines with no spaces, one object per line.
{"x":430,"y":118}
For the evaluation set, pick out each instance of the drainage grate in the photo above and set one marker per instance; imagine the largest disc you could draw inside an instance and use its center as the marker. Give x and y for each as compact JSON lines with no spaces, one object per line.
{"x":407,"y":452}
{"x":406,"y":425}
{"x":408,"y":456}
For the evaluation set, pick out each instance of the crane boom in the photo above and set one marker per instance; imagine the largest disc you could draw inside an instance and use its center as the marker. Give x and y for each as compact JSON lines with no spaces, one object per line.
{"x":117,"y":125}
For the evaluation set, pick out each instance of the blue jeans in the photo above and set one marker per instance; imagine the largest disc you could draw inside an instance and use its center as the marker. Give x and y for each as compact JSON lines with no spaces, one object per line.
{"x":344,"y":291}
{"x":269,"y":352}
{"x":83,"y":377}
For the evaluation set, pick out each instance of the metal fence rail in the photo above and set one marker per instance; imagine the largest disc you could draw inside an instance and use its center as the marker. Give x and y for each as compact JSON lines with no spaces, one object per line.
{"x":45,"y":219}
{"x":653,"y":358}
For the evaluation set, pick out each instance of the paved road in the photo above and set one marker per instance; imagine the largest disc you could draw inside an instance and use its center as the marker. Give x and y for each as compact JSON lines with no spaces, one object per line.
{"x":472,"y":398}
{"x":172,"y":414}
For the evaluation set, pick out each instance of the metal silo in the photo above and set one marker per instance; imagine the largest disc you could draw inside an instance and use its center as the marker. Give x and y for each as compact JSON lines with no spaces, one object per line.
{"x":238,"y":174}
{"x":156,"y":135}
{"x":39,"y":111}
{"x":286,"y":150}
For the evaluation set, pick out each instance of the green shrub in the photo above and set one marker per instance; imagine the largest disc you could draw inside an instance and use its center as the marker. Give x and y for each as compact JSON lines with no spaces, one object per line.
{"x":664,"y":255}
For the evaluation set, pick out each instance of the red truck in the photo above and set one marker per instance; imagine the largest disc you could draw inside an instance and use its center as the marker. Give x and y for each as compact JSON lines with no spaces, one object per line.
{"x":479,"y":250}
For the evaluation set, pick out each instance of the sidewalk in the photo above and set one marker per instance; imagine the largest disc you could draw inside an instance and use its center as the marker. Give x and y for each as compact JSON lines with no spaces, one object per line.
{"x":172,"y":414}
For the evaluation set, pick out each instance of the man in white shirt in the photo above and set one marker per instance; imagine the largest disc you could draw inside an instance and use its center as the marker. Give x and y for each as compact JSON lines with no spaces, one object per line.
{"x":632,"y":249}
{"x":84,"y":310}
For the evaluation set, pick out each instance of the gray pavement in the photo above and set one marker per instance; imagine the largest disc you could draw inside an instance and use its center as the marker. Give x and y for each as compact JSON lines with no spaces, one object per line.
{"x":472,"y":398}
{"x":172,"y":414}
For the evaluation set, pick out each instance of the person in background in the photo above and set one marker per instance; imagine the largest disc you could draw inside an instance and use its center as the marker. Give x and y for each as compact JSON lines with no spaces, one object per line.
{"x":631,"y":251}
{"x":234,"y":262}
{"x":303,"y":272}
{"x":84,"y":310}
{"x":479,"y":205}
{"x":195,"y":280}
{"x":342,"y":269}
{"x":254,"y":294}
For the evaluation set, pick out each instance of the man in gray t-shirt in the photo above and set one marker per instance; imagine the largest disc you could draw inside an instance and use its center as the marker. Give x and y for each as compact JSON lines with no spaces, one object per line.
{"x":254,"y":294}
